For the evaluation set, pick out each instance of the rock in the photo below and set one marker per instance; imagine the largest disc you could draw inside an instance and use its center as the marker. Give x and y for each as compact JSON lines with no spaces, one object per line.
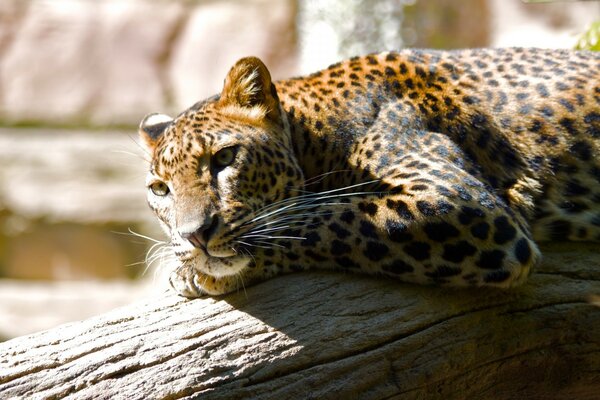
{"x":107,"y":62}
{"x":73,"y":176}
{"x":548,"y":25}
{"x":75,"y":61}
{"x":219,"y":33}
{"x":67,"y":202}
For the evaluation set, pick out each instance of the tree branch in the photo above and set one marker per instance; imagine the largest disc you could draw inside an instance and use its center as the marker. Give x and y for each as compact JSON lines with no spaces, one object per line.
{"x":327,"y":335}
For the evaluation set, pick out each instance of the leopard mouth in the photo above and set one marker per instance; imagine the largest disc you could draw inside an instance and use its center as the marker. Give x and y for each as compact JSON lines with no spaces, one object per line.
{"x":218,"y":267}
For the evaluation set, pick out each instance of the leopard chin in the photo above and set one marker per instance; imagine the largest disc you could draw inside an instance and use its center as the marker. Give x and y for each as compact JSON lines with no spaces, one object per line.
{"x":219,"y":267}
{"x":199,"y":276}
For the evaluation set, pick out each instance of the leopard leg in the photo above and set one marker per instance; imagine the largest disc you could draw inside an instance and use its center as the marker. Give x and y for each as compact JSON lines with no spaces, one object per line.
{"x":435,"y":224}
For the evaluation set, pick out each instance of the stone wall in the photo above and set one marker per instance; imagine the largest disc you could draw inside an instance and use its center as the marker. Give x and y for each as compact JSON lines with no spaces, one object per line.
{"x":109,"y":62}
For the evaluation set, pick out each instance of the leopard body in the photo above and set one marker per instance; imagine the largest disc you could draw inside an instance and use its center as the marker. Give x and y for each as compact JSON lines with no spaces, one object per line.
{"x":441,"y":167}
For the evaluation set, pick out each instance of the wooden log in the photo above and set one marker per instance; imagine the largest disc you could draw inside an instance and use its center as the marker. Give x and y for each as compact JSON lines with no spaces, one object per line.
{"x":331,"y":336}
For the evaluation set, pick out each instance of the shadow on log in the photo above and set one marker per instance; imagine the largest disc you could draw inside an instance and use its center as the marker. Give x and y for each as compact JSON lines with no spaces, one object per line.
{"x":331,"y":336}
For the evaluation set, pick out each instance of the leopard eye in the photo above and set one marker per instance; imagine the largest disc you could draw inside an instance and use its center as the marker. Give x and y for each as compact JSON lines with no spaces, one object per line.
{"x":159,"y":188}
{"x":224,"y":157}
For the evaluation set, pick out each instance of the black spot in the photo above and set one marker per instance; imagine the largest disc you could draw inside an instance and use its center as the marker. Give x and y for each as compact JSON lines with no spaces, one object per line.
{"x":346,"y":262}
{"x":397,"y":231}
{"x":593,"y":121}
{"x":582,"y":150}
{"x":443,"y":207}
{"x":397,"y":267}
{"x":574,"y":188}
{"x":444,"y":271}
{"x":496,"y":276}
{"x":491,"y":259}
{"x":536,"y":125}
{"x":269,"y":252}
{"x":327,"y":215}
{"x":367,"y":229}
{"x":418,"y":188}
{"x":573,"y":207}
{"x":310,"y":239}
{"x":559,"y":229}
{"x":569,"y":125}
{"x":458,"y":252}
{"x":444,"y":191}
{"x":468,"y":214}
{"x":567,"y":104}
{"x":479,"y":121}
{"x":347,"y":216}
{"x":401,"y":208}
{"x":542,"y":90}
{"x":547,"y":111}
{"x":505,"y":232}
{"x":418,"y":250}
{"x":315,"y":256}
{"x":338,"y":248}
{"x":522,"y":251}
{"x":426,"y":208}
{"x":368,"y":208}
{"x":376,"y":251}
{"x":340,"y":232}
{"x":440,"y":231}
{"x":471,"y":100}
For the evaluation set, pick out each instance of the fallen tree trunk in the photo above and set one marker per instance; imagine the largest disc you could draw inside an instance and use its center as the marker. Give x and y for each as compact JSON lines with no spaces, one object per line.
{"x":326,"y":335}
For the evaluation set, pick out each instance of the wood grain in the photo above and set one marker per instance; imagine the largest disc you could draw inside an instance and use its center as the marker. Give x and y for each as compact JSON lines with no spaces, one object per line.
{"x":331,"y":336}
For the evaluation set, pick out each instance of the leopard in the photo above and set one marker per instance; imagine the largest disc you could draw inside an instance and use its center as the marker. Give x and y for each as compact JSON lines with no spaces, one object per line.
{"x":441,"y":167}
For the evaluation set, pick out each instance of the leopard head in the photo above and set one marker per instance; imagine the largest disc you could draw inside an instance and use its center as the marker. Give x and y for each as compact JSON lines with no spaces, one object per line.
{"x":217,"y":166}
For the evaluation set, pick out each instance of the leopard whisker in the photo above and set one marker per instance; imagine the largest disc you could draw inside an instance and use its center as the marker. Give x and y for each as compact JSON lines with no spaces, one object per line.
{"x":318,"y":178}
{"x":271,"y":237}
{"x":293,"y":207}
{"x":269,"y":244}
{"x":317,"y":196}
{"x":311,"y":200}
{"x":293,"y":219}
{"x":253,"y":245}
{"x":163,"y":255}
{"x":239,"y":277}
{"x":131,"y":232}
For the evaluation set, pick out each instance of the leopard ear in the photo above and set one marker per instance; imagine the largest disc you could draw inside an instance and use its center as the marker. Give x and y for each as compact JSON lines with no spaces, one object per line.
{"x":151,"y":128}
{"x":248,"y":88}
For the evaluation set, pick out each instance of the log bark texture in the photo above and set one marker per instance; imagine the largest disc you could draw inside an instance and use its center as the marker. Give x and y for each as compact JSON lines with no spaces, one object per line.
{"x":331,"y":336}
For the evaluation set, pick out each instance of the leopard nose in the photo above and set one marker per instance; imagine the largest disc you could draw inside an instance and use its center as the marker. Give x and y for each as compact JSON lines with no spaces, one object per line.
{"x":200,"y":236}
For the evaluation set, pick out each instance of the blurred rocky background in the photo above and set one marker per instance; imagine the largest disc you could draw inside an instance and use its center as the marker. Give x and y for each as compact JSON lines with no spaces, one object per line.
{"x":76,"y":76}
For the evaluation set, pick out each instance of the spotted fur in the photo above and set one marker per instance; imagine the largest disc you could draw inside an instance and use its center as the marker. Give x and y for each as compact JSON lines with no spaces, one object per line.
{"x":426,"y":166}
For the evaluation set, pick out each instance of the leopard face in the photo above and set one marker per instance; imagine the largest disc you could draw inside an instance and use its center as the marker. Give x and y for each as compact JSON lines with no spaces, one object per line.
{"x":214,"y":169}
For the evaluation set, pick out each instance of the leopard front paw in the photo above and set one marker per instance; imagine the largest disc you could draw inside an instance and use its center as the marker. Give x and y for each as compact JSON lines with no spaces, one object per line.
{"x":191,"y":283}
{"x":186,"y":282}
